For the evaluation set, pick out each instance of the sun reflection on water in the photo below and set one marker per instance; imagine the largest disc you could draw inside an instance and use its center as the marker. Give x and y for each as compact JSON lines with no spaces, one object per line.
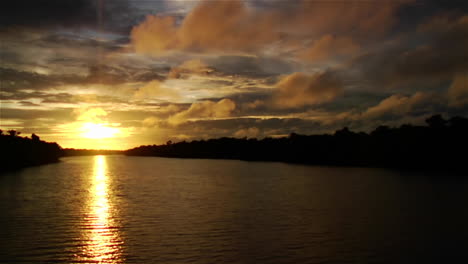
{"x":100,"y":232}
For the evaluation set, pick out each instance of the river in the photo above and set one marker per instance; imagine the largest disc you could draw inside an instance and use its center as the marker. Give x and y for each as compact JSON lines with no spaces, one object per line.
{"x":118,"y":209}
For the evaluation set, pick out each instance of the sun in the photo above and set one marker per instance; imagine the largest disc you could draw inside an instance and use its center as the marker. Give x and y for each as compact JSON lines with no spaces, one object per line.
{"x":98,"y":131}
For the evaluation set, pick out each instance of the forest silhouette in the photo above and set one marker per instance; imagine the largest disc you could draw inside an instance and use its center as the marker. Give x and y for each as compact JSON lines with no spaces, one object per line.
{"x":442,"y":144}
{"x":19,"y":152}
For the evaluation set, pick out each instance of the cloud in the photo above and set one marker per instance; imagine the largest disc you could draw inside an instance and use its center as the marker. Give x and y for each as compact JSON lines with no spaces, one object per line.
{"x":251,"y":132}
{"x":160,"y":115}
{"x":228,"y":27}
{"x":66,"y":13}
{"x":150,"y":121}
{"x":400,"y":105}
{"x":155,"y":90}
{"x":194,"y":66}
{"x":251,"y":66}
{"x":24,"y":12}
{"x":299,"y":89}
{"x":90,"y":114}
{"x":205,"y":109}
{"x":458,"y":90}
{"x":430,"y":56}
{"x":360,"y":17}
{"x":329,"y":46}
{"x":233,"y":26}
{"x":249,"y":127}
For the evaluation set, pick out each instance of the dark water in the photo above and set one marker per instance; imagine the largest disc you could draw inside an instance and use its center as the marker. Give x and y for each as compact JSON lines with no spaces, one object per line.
{"x":116,"y":209}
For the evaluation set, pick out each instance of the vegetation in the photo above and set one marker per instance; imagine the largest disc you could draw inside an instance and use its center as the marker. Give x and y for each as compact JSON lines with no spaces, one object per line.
{"x":442,"y":144}
{"x":19,"y":152}
{"x":89,"y":152}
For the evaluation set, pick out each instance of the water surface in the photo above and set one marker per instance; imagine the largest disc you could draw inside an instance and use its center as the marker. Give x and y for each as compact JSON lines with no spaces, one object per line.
{"x":117,"y":209}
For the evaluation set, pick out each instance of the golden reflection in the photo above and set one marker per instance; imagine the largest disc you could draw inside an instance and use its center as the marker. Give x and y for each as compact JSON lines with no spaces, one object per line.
{"x":100,"y":232}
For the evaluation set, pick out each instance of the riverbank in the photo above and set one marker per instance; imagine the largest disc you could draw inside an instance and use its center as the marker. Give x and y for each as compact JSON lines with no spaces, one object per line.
{"x":21,"y":152}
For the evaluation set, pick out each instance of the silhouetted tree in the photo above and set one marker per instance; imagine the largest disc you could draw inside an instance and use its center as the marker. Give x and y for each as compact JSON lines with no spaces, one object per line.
{"x":343,"y":132}
{"x":381,"y":130}
{"x":19,"y":152}
{"x":13,"y":133}
{"x":436,"y":121}
{"x":34,"y":137}
{"x":458,"y":122}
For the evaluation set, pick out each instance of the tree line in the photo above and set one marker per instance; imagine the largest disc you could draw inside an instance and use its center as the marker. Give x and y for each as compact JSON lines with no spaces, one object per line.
{"x":19,"y":152}
{"x":441,"y":144}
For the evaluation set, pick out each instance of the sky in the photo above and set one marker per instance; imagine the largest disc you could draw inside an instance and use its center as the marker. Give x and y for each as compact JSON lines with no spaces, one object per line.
{"x":119,"y":74}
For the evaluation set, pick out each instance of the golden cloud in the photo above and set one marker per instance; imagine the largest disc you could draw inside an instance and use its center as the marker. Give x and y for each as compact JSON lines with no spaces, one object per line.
{"x":299,"y":89}
{"x":205,"y":109}
{"x":150,"y":121}
{"x":251,"y":132}
{"x":330,"y":45}
{"x":195,"y":66}
{"x":155,"y":90}
{"x":232,"y":26}
{"x":458,"y":90}
{"x":361,"y":17}
{"x":90,"y":114}
{"x":397,"y":104}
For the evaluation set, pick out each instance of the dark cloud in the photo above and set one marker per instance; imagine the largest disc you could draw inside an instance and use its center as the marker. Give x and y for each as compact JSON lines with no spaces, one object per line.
{"x":261,"y":127}
{"x":66,"y":98}
{"x":439,"y":54}
{"x":27,"y":103}
{"x":99,"y":14}
{"x":417,"y":12}
{"x":14,"y":81}
{"x":26,"y":114}
{"x":249,"y":66}
{"x":78,"y":41}
{"x":39,"y":13}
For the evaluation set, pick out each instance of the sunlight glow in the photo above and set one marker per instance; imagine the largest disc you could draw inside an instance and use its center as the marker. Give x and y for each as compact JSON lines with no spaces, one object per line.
{"x":97,"y":131}
{"x":101,"y":235}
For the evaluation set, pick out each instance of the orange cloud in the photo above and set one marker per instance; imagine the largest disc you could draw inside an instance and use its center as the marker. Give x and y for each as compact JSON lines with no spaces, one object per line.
{"x":330,"y":45}
{"x":155,"y":90}
{"x":90,"y":114}
{"x":232,"y":26}
{"x":251,"y":132}
{"x":205,"y":109}
{"x":155,"y":35}
{"x":359,"y":17}
{"x":195,"y":66}
{"x":150,"y":121}
{"x":299,"y":89}
{"x":397,"y":104}
{"x":458,"y":90}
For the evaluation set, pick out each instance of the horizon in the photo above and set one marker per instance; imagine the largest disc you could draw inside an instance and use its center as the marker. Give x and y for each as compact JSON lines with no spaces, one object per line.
{"x":436,"y":122}
{"x":117,"y":75}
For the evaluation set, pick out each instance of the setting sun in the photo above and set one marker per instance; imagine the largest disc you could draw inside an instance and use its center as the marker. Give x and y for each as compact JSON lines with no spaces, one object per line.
{"x":97,"y":131}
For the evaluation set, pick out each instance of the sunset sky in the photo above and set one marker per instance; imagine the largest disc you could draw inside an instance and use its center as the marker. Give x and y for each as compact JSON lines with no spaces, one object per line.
{"x":119,"y":74}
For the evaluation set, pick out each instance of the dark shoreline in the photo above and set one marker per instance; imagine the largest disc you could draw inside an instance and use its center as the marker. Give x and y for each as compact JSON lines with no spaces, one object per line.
{"x":438,"y":146}
{"x":22,"y":152}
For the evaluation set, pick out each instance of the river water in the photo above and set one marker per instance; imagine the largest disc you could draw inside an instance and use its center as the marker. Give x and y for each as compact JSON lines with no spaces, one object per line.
{"x":117,"y":209}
